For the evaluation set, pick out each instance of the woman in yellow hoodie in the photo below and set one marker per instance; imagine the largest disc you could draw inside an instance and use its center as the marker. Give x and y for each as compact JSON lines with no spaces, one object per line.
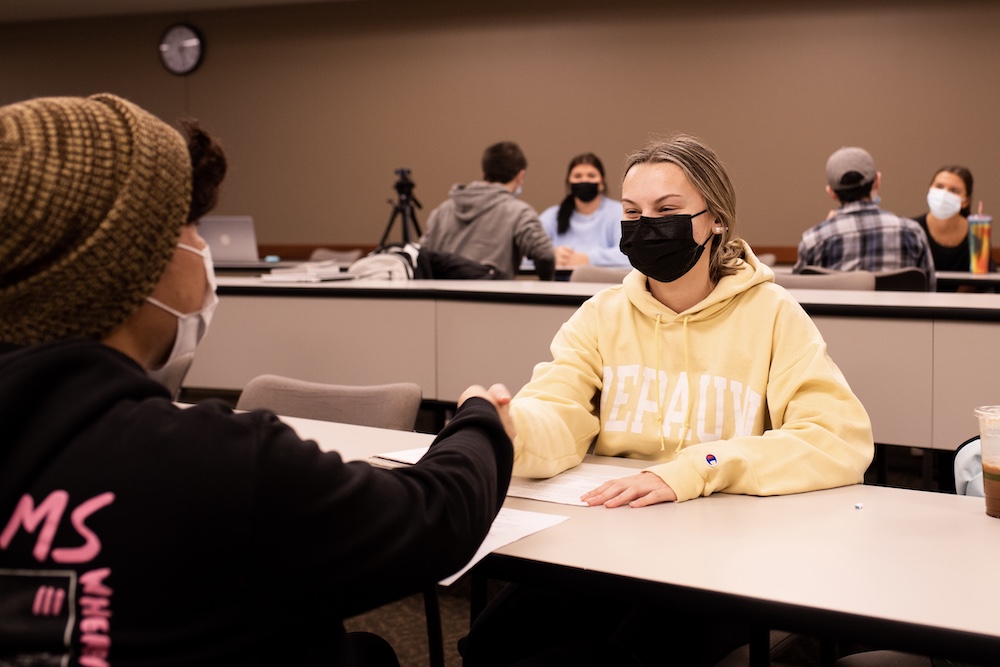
{"x":698,"y":363}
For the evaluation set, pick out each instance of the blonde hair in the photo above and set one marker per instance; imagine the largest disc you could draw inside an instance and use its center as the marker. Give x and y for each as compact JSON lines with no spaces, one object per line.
{"x":703,"y":168}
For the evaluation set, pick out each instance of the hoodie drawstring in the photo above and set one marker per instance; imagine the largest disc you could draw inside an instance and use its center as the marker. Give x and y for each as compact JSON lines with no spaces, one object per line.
{"x":686,"y":430}
{"x":659,"y":394}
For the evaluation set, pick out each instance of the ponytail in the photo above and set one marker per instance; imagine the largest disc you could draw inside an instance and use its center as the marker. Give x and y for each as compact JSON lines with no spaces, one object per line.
{"x":566,"y":209}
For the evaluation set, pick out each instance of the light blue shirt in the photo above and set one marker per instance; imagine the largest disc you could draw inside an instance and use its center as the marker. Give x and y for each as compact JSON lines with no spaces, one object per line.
{"x":597,"y":234}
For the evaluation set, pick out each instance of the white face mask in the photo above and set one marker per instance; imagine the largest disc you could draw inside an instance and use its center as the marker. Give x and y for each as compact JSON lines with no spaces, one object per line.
{"x":943,"y":204}
{"x":191,"y":328}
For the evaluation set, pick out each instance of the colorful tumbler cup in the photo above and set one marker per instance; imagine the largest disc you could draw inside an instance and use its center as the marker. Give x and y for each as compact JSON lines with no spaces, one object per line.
{"x":979,"y":242}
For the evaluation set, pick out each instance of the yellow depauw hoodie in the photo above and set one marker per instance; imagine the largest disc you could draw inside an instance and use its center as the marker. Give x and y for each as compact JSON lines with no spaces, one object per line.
{"x":735,"y":394}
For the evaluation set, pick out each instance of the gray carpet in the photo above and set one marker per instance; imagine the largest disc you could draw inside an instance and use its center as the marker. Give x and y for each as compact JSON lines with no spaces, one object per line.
{"x":403,"y":624}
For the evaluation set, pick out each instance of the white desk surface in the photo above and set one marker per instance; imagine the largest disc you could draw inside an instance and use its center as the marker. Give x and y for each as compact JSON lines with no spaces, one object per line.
{"x":356,"y":443}
{"x":918,"y":564}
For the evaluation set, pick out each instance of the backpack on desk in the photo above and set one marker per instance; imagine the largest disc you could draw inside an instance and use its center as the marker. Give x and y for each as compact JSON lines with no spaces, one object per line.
{"x":394,"y":262}
{"x":449,"y":266}
{"x":407,"y":261}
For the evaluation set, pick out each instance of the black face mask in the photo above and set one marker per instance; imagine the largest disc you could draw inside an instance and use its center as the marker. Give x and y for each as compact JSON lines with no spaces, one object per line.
{"x":585,"y":192}
{"x":663,"y":249}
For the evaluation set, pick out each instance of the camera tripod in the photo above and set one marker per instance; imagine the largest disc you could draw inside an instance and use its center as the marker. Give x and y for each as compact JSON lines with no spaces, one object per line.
{"x":403,"y":210}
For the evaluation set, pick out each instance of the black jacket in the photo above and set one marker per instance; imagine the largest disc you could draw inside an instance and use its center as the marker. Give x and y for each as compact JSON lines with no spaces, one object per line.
{"x":148,"y":534}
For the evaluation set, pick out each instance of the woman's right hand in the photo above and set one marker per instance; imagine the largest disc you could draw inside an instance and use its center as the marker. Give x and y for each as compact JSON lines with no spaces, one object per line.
{"x":566,"y":257}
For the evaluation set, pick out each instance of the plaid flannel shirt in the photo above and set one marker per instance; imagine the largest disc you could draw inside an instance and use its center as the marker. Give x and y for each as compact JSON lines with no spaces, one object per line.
{"x":861,"y":236}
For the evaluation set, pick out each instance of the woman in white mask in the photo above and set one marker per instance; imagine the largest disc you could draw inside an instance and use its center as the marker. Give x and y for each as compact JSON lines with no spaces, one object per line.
{"x":946,"y":223}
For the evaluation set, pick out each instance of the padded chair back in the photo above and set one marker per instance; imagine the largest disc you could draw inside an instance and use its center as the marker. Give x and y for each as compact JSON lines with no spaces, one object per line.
{"x":392,"y":406}
{"x":767,"y":258}
{"x":853,"y":280}
{"x":599,"y":274}
{"x":911,"y":279}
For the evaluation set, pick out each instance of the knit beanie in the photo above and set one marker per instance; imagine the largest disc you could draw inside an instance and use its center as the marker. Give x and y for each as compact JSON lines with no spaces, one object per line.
{"x":93,"y":194}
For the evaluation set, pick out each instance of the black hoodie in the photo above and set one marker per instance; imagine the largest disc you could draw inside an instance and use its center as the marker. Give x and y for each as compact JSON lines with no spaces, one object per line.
{"x":138,"y":533}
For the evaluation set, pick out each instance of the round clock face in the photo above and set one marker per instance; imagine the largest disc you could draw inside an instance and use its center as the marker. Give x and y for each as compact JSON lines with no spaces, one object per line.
{"x":181,"y":48}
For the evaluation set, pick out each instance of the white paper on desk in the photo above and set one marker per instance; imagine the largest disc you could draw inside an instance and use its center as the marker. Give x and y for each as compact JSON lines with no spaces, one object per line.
{"x":508,"y":526}
{"x":402,"y":458}
{"x":304,"y":277}
{"x":321,"y":268}
{"x":566,"y":487}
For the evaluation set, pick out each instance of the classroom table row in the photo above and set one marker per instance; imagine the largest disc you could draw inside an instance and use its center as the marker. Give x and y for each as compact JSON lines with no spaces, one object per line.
{"x":945,"y":281}
{"x":920,"y":362}
{"x":878,"y":566}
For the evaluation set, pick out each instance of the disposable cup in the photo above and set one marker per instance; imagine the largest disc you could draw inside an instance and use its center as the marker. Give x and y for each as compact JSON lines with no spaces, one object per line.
{"x":989,"y":437}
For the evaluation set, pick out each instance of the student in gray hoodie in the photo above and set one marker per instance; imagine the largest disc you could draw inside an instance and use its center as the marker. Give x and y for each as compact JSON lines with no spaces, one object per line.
{"x":485,"y":221}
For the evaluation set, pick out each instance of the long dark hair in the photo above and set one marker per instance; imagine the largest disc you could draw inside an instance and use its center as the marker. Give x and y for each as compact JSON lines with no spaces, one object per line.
{"x":567,"y":205}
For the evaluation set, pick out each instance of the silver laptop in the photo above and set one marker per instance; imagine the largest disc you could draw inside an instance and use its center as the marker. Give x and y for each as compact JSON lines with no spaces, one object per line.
{"x":233,"y":241}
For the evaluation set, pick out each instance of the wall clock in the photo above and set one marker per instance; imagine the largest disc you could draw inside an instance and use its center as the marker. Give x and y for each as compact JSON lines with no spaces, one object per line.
{"x":182,"y":48}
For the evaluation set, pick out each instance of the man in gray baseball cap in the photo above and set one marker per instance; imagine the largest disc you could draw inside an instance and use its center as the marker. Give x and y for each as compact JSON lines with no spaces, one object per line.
{"x":859,"y":235}
{"x":850,"y":168}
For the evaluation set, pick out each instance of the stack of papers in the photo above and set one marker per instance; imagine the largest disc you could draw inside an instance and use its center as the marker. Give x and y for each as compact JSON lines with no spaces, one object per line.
{"x":400,"y":459}
{"x":307,"y":272}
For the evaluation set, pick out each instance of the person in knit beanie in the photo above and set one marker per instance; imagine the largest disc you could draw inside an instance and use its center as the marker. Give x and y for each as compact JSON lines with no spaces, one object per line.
{"x":95,"y":194}
{"x":137,"y":532}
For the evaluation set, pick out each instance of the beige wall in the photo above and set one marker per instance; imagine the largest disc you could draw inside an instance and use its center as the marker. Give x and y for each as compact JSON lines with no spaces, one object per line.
{"x":317,"y":105}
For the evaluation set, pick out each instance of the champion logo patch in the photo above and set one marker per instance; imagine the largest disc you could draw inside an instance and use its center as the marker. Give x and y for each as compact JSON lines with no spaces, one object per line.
{"x":711,"y":460}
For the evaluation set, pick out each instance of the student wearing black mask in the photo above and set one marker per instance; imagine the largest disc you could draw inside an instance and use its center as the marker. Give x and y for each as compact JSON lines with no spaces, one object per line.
{"x":699,"y":365}
{"x":585,"y":228}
